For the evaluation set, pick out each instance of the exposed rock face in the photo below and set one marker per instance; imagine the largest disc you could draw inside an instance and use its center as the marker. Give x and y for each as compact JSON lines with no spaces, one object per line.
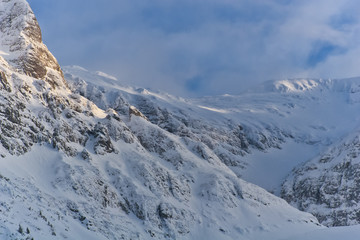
{"x":4,"y":82}
{"x":134,"y":111}
{"x":329,"y":186}
{"x":21,"y":40}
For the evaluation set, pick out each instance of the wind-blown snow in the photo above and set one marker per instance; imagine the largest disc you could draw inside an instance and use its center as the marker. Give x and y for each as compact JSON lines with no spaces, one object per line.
{"x":3,"y":53}
{"x":105,"y":75}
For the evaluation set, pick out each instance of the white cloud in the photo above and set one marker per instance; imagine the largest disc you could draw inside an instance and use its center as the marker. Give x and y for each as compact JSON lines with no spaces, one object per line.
{"x":225,"y":45}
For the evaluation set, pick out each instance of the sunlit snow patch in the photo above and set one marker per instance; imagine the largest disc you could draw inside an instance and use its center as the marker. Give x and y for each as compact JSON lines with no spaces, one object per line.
{"x":3,"y":53}
{"x":296,"y":85}
{"x":214,"y":109}
{"x":102,"y":74}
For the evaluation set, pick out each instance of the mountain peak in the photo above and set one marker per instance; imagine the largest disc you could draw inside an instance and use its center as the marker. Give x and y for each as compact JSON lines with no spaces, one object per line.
{"x":22,"y":46}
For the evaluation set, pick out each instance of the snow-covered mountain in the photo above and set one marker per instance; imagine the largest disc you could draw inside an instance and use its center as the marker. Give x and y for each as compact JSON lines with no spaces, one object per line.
{"x":260,"y":135}
{"x":328,"y":185}
{"x":83,"y":156}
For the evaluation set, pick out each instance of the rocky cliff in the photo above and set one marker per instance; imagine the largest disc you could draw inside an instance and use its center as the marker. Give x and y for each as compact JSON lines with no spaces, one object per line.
{"x":328,"y":186}
{"x":22,"y":46}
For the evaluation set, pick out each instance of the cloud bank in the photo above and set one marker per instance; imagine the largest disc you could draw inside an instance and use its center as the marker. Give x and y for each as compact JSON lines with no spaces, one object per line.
{"x":198,"y":47}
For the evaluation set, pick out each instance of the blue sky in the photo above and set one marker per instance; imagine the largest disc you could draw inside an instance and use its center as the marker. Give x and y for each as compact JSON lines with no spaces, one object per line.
{"x":204,"y":47}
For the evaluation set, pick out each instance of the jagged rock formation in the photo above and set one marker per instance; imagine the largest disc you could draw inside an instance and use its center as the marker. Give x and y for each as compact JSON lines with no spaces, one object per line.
{"x":328,"y":186}
{"x":21,"y":40}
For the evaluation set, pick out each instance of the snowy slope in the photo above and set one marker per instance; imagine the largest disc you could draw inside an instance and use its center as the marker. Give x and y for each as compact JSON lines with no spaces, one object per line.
{"x":56,"y":203}
{"x":335,"y":233}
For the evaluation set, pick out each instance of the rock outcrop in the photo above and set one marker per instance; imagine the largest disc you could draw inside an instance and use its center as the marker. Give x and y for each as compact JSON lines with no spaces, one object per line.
{"x":329,"y":186}
{"x":21,"y":40}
